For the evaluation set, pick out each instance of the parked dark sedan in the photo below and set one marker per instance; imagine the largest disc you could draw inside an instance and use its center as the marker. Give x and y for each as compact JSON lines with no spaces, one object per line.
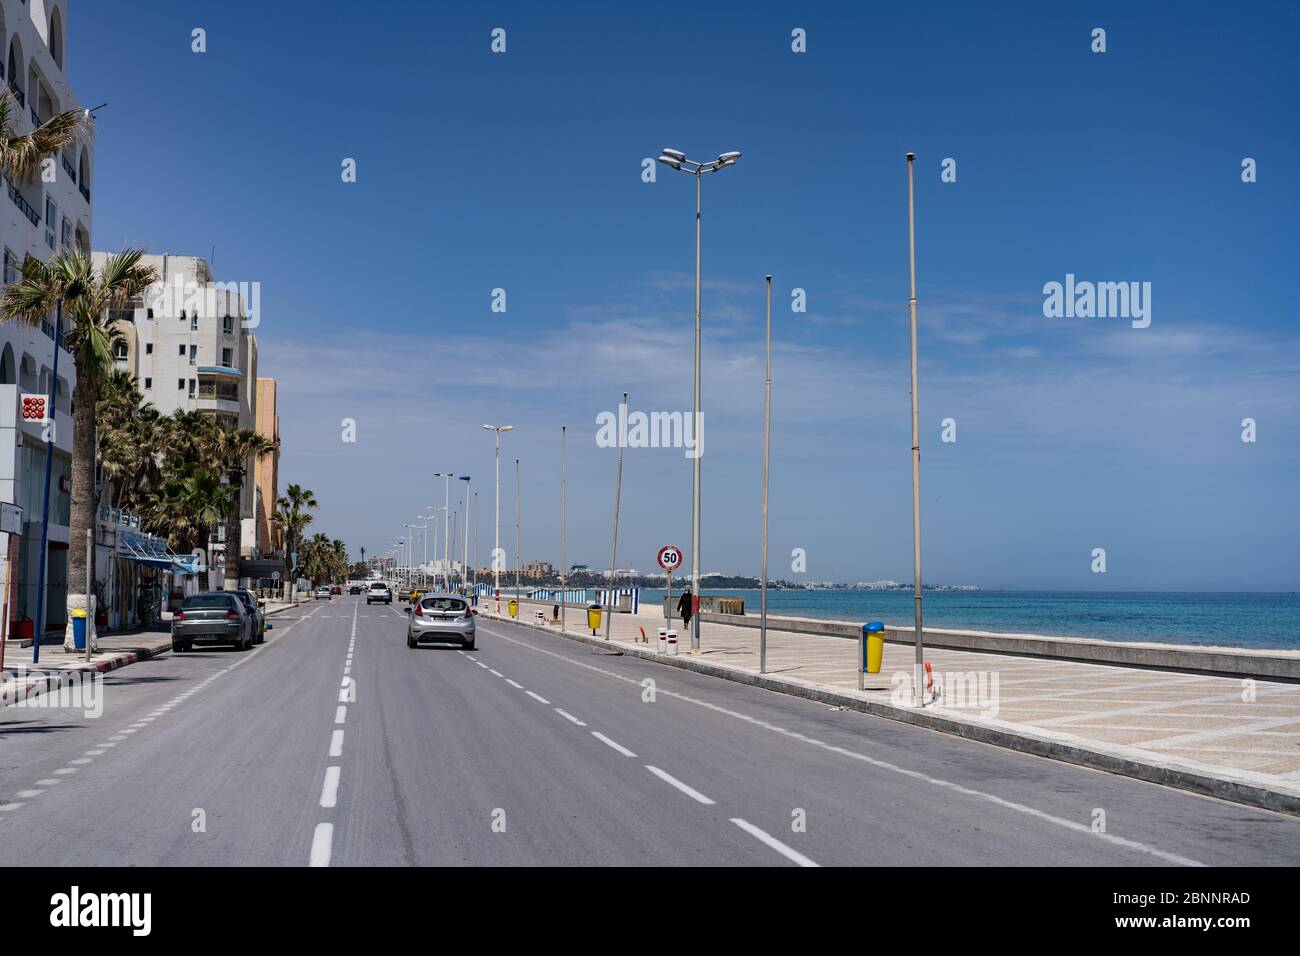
{"x":213,"y":617}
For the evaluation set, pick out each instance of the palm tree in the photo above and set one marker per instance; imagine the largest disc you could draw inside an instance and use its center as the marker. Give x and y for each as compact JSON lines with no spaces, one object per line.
{"x":291,"y":512}
{"x":21,"y":155}
{"x":89,"y":297}
{"x":187,"y":506}
{"x":230,"y":449}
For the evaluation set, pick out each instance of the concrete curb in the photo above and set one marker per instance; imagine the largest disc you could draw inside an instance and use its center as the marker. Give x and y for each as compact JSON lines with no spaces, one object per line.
{"x":1182,"y":778}
{"x":13,"y":690}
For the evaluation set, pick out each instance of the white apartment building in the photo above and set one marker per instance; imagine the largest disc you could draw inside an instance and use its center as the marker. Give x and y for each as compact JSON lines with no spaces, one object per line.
{"x":189,"y":349}
{"x":41,"y":217}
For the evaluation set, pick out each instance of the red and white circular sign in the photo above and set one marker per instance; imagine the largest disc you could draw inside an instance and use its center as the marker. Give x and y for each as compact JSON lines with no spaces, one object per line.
{"x":670,"y":557}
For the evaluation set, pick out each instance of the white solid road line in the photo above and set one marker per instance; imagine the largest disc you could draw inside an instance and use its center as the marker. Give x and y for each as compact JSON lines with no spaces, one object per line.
{"x":610,"y":743}
{"x":321,"y":843}
{"x":537,"y":697}
{"x":689,"y":791}
{"x":329,"y":794}
{"x":1074,"y":826}
{"x":788,"y":852}
{"x":336,"y":744}
{"x":568,"y":716}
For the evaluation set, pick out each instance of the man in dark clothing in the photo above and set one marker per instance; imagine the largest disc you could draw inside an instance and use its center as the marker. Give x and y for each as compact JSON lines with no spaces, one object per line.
{"x":685,"y":605}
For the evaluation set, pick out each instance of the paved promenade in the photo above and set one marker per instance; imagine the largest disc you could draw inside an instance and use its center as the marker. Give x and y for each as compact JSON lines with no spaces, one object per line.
{"x":1247,"y":731}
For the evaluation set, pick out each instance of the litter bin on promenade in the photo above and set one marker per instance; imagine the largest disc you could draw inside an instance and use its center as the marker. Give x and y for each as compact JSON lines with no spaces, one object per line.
{"x":79,"y":629}
{"x":873,"y":635}
{"x":513,"y":607}
{"x":593,"y":617}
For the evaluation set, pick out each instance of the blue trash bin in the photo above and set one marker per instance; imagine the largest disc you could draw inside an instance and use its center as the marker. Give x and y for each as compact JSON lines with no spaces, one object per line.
{"x":79,"y":630}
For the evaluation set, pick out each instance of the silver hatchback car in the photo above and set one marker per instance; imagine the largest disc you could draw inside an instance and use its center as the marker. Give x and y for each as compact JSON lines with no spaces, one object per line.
{"x":443,"y":618}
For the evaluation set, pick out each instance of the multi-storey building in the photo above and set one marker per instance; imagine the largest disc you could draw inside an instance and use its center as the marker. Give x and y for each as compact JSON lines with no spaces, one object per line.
{"x":270,"y":535}
{"x":47,"y":214}
{"x":190,"y":347}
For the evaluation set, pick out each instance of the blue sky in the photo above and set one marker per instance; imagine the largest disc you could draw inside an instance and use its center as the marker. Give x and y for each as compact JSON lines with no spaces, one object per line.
{"x":522,"y":171}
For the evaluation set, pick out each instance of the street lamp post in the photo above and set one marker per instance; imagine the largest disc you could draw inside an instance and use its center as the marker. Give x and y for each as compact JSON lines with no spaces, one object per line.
{"x":496,"y":540}
{"x":464,"y":561}
{"x":676,"y":159}
{"x":916,"y":440}
{"x":516,"y":529}
{"x":564,"y":512}
{"x":446,"y":476}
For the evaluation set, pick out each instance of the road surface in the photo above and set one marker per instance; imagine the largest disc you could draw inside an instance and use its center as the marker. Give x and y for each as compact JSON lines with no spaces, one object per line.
{"x":334,"y":744}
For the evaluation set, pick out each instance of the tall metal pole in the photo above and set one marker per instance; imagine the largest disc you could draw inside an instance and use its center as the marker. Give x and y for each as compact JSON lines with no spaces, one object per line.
{"x":496,"y":541}
{"x":613,"y":553}
{"x":767,"y":451}
{"x":45,"y":507}
{"x":476,"y":542}
{"x":446,"y":527}
{"x":464,"y":561}
{"x":916,"y":437}
{"x":516,"y":529}
{"x":90,"y":611}
{"x":564,"y":512}
{"x":695,"y":473}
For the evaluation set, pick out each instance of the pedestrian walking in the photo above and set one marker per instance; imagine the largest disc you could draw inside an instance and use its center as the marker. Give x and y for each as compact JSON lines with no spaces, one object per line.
{"x":686,"y":607}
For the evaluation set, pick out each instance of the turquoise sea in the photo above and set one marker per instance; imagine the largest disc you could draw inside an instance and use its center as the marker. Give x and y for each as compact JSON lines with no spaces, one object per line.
{"x":1227,"y":619}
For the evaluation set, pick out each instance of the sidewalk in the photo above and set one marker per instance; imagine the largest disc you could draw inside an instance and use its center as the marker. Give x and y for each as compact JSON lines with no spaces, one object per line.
{"x":21,"y":677}
{"x":1233,"y":738}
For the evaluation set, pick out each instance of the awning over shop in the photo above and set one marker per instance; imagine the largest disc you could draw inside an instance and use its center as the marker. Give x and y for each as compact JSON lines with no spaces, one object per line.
{"x":153,"y":550}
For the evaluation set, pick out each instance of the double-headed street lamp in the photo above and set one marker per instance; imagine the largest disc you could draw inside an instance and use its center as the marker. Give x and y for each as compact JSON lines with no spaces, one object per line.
{"x":676,"y":159}
{"x":496,"y":541}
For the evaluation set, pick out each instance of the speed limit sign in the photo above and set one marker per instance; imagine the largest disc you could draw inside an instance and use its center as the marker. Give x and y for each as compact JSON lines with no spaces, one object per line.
{"x":670,"y":557}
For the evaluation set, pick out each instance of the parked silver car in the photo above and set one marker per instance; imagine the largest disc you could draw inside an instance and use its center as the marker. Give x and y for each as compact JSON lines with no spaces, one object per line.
{"x":213,"y":617}
{"x":441,"y":617}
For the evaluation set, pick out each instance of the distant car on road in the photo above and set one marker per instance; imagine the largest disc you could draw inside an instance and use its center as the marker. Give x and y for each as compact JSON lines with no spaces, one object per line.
{"x":439,"y":616}
{"x":335,"y":589}
{"x":379,"y":591}
{"x":354,"y":588}
{"x":323,"y":592}
{"x":213,"y":617}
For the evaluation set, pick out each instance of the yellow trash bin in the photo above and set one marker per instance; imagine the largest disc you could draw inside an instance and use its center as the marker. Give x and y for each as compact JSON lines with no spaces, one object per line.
{"x":513,"y":608}
{"x":874,"y":633}
{"x":593,"y":618}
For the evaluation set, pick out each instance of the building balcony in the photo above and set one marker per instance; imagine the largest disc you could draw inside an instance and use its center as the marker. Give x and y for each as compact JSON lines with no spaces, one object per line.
{"x":17,"y":92}
{"x":36,"y":119}
{"x":84,"y":191}
{"x":23,"y":205}
{"x":69,"y":169}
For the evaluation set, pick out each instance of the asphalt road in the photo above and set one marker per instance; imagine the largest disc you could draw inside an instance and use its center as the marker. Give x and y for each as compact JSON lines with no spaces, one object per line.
{"x":335,"y":744}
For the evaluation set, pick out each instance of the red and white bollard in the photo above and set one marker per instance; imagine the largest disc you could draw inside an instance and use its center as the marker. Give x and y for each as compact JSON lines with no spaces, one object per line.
{"x":663,"y":640}
{"x":672,"y":643}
